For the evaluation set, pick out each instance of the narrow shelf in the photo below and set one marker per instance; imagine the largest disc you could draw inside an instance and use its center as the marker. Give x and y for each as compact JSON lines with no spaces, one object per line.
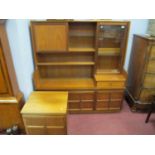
{"x":64,"y":63}
{"x":84,"y":49}
{"x":108,"y":51}
{"x":108,"y":71}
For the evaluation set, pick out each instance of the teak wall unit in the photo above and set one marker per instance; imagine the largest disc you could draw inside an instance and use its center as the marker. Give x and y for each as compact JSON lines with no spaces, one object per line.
{"x":85,"y":58}
{"x":11,"y":99}
{"x":141,"y":81}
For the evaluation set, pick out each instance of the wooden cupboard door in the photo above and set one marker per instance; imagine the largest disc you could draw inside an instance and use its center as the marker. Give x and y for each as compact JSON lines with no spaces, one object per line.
{"x":36,"y":130}
{"x":74,"y":106}
{"x":86,"y":105}
{"x":3,"y":85}
{"x":115,"y":105}
{"x":102,"y":105}
{"x":56,"y":130}
{"x":51,"y":37}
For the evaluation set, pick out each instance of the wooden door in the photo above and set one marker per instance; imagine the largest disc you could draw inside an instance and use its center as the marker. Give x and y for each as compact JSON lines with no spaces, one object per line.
{"x":50,"y":36}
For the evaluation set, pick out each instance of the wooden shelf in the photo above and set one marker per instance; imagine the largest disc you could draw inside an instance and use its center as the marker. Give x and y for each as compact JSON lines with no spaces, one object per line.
{"x":64,"y":63}
{"x":86,"y":49}
{"x":108,"y":51}
{"x":108,"y":71}
{"x":63,"y":84}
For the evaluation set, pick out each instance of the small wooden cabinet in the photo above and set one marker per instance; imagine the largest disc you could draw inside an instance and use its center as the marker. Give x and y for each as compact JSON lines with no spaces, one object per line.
{"x":141,"y":81}
{"x":81,"y":57}
{"x":11,"y":99}
{"x":45,"y":113}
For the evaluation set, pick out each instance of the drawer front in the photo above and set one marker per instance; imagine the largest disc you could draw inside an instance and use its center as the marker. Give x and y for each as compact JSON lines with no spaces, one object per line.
{"x":74,"y":106}
{"x":75,"y":96}
{"x":35,"y":121}
{"x":111,"y":85}
{"x":50,"y":130}
{"x":146,"y":95}
{"x":56,"y":121}
{"x":87,"y":96}
{"x":117,"y":96}
{"x":102,"y":105}
{"x":151,"y":66}
{"x":103,"y":96}
{"x":35,"y":130}
{"x":149,"y":81}
{"x":115,"y":105}
{"x":87,"y":105}
{"x":152,"y":54}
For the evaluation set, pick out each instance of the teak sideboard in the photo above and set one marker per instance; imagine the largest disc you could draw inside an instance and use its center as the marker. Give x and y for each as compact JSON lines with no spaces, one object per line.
{"x":85,"y":58}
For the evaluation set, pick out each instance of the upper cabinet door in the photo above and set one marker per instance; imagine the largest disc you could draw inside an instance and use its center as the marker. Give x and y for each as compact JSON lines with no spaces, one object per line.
{"x":50,"y":36}
{"x":3,"y":85}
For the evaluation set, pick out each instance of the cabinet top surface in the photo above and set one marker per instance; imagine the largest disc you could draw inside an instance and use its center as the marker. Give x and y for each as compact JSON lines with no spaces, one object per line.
{"x":110,"y":77}
{"x":148,"y":37}
{"x":43,"y":102}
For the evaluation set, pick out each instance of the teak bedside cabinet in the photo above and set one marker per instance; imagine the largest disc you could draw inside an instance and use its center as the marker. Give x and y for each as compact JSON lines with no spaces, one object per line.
{"x":85,"y":58}
{"x":45,"y":113}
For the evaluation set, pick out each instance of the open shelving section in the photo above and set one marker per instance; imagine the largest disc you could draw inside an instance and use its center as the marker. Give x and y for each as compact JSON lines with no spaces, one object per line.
{"x":76,"y":55}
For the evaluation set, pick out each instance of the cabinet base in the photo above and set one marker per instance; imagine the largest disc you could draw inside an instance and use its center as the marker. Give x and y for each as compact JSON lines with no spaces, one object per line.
{"x":136,"y":105}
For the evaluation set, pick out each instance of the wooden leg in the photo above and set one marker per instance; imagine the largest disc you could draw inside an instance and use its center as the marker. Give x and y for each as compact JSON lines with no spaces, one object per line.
{"x":148,"y":116}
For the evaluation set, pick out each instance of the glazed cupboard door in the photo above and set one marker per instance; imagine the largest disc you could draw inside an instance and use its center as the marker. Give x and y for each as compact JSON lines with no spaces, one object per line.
{"x":50,"y":36}
{"x":110,"y":41}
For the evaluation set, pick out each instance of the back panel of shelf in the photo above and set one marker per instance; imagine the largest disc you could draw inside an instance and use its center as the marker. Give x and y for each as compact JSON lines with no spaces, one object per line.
{"x":82,"y":35}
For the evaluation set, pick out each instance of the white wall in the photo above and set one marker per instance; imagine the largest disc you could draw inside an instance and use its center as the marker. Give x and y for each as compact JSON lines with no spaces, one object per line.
{"x":20,"y":44}
{"x":138,"y":26}
{"x":19,"y":39}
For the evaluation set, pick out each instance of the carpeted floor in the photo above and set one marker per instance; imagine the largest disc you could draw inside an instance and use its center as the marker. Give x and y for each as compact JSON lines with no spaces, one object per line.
{"x":121,"y":123}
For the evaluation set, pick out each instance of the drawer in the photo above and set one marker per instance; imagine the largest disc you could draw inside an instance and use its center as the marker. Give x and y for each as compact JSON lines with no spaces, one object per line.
{"x":102,"y":105}
{"x":152,"y":54}
{"x":74,"y":105}
{"x":103,"y":95}
{"x":86,"y":105}
{"x":146,"y":95}
{"x":50,"y":130}
{"x":35,"y":130}
{"x":77,"y":96}
{"x":115,"y":104}
{"x":74,"y":96}
{"x":56,"y":121}
{"x":151,"y":66}
{"x":35,"y":120}
{"x":111,"y":85}
{"x":149,"y":81}
{"x":117,"y":96}
{"x":87,"y":96}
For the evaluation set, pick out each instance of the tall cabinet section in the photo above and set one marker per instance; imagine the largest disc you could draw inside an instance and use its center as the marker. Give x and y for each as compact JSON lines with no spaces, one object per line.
{"x":141,"y":81}
{"x":85,"y":58}
{"x":11,"y":99}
